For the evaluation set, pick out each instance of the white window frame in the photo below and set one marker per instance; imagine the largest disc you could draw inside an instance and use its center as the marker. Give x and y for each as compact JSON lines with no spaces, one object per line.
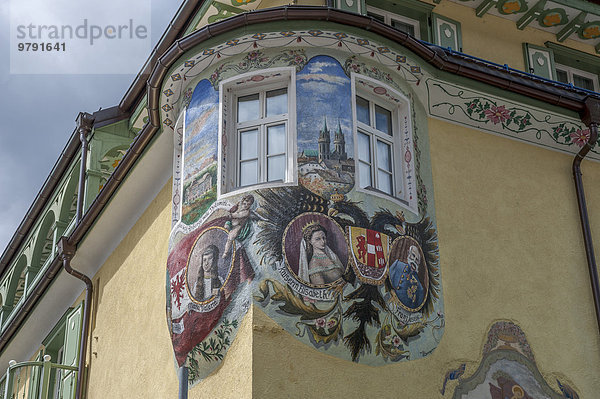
{"x":388,"y":16}
{"x":229,"y":129}
{"x":570,"y":71}
{"x":401,"y":141}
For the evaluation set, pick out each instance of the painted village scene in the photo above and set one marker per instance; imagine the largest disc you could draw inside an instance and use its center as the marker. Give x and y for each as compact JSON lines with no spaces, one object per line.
{"x":350,"y":275}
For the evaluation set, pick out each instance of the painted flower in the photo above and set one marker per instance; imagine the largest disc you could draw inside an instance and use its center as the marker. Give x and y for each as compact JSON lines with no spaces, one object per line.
{"x":580,"y":137}
{"x":497,"y":114}
{"x":320,"y":322}
{"x":331,"y":323}
{"x":396,"y":340}
{"x":253,"y":55}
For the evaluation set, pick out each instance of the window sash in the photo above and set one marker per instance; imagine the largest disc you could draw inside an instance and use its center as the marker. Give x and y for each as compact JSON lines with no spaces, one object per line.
{"x":389,"y":17}
{"x":570,"y":73}
{"x":263,"y":157}
{"x":381,"y":179}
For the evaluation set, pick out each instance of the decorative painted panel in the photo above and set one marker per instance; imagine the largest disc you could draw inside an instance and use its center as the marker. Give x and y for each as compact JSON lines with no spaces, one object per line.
{"x":507,"y":370}
{"x":349,"y":273}
{"x":539,"y":61}
{"x":507,"y":118}
{"x":447,"y":32}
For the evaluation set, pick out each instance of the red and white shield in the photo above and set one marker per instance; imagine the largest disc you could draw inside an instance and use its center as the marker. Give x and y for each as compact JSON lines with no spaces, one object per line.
{"x":370,"y":251}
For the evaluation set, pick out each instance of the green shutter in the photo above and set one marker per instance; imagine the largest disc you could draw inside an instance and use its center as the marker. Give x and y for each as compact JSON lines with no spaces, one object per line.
{"x":539,"y":61}
{"x":446,"y":32}
{"x":350,"y":5}
{"x":71,"y":351}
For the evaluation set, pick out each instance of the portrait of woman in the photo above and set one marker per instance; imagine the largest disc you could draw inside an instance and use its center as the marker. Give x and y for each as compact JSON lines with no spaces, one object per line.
{"x":208,"y":281}
{"x":318,"y":264}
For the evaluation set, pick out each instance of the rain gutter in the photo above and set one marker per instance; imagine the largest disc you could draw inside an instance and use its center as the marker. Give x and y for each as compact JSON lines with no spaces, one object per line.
{"x":591,"y":117}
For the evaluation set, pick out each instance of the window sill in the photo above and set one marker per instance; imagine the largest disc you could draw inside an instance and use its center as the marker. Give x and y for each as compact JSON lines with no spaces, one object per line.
{"x":254,"y":187}
{"x":398,"y":201}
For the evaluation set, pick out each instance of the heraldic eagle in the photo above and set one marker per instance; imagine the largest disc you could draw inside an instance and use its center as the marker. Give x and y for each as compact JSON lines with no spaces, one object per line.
{"x":278,"y":207}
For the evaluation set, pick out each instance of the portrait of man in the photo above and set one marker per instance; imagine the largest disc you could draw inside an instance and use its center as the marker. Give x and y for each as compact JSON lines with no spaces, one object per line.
{"x":407,"y":275}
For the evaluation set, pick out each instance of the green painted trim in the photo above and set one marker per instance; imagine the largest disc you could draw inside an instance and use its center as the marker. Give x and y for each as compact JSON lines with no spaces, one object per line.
{"x":571,"y":27}
{"x":548,"y":50}
{"x":574,"y":58}
{"x":120,"y":128}
{"x":564,"y":18}
{"x":137,"y":112}
{"x":434,"y":18}
{"x":484,"y":7}
{"x":522,"y":3}
{"x":199,"y":15}
{"x":531,"y":15}
{"x":586,"y":6}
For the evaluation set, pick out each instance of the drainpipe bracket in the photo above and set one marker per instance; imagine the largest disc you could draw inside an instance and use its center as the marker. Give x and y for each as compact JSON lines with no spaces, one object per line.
{"x":591,"y":111}
{"x":64,"y":248}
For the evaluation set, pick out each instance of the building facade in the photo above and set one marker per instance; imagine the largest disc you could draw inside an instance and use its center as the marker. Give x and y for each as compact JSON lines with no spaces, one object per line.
{"x":313,"y":199}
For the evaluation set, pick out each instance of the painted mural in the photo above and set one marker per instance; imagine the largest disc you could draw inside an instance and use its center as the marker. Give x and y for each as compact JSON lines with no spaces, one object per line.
{"x":200,"y":150}
{"x":507,"y":370}
{"x":325,"y":152}
{"x":349,"y":274}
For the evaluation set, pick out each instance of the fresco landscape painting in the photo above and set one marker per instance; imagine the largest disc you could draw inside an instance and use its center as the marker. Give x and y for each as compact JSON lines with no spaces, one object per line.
{"x":200,"y":150}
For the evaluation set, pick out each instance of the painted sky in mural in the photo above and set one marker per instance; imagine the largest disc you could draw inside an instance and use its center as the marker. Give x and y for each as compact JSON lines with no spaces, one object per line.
{"x":201,"y":120}
{"x":323,"y":90}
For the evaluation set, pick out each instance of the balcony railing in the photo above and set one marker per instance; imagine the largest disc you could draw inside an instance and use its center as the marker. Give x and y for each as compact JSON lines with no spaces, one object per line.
{"x":38,"y":380}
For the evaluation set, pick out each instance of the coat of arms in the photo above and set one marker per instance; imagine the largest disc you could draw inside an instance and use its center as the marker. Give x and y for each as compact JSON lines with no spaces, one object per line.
{"x":370,"y":250}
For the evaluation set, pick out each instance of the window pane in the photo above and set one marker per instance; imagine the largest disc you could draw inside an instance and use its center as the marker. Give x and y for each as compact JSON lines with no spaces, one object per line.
{"x":562,"y":76}
{"x":248,"y":108}
{"x":378,"y":17}
{"x":384,"y":182}
{"x":404,"y":27}
{"x":383,"y":120}
{"x":276,"y":139}
{"x":276,"y":168}
{"x":277,"y":102}
{"x":362,"y":111}
{"x":584,"y":83}
{"x":248,"y":172}
{"x":364,"y":147}
{"x":384,"y":156}
{"x":249,"y":144}
{"x":364,"y":171}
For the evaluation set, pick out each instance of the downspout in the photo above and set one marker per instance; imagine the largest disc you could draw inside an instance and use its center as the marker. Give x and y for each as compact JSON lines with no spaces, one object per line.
{"x":67,"y":251}
{"x":84,"y":127}
{"x":591,"y":117}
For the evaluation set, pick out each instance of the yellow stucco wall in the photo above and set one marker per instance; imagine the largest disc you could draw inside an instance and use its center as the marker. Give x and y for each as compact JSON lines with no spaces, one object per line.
{"x":131,"y":352}
{"x":510,"y":248}
{"x":497,"y":39}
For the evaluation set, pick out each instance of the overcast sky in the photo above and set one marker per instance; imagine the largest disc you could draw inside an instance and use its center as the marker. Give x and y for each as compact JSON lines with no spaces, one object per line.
{"x":37,"y":115}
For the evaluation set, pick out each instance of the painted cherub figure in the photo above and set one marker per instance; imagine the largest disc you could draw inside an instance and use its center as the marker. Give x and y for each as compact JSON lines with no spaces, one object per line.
{"x":239,"y":222}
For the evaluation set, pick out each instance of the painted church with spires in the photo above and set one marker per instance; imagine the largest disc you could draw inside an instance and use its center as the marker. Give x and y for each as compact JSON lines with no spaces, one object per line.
{"x":339,"y":143}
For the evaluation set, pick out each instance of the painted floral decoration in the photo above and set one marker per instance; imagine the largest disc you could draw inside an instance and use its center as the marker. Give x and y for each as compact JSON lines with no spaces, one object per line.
{"x":580,"y":137}
{"x":497,"y":114}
